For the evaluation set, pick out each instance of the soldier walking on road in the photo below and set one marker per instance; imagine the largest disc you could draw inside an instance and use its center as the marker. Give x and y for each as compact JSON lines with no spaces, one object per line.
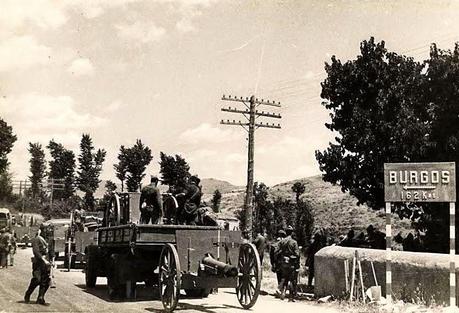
{"x":274,"y":255}
{"x":12,"y":249}
{"x":151,"y":203}
{"x":289,"y":260}
{"x":41,"y":268}
{"x":4,"y":247}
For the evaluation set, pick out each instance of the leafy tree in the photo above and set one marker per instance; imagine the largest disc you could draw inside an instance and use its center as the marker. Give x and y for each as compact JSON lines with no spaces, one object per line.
{"x":298,"y":188}
{"x":386,"y":107}
{"x":174,"y":170}
{"x":216,"y":200}
{"x":62,"y":166}
{"x":6,"y":186}
{"x":137,"y":159}
{"x":7,"y":140}
{"x":37,"y":167}
{"x":89,"y":169}
{"x":110,"y":187}
{"x":121,"y":167}
{"x":304,"y":224}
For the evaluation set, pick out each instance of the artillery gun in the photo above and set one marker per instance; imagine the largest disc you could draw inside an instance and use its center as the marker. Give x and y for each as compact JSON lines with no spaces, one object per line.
{"x":192,"y":258}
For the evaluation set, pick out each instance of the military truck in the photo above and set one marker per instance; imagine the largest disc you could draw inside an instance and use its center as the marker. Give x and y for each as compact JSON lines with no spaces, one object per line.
{"x":5,"y":218}
{"x":81,"y":234}
{"x":170,"y":257}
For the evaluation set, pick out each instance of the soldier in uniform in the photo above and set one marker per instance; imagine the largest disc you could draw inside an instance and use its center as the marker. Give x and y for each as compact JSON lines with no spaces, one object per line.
{"x":314,"y":247}
{"x":12,"y":249}
{"x":376,"y":238}
{"x":4,"y":243}
{"x":260,"y":244}
{"x":41,"y":268}
{"x":151,"y":203}
{"x":273,"y":255}
{"x":191,"y":202}
{"x":289,"y":260}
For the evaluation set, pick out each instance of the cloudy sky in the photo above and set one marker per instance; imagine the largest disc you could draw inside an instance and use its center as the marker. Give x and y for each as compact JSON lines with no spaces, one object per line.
{"x":156,"y":70}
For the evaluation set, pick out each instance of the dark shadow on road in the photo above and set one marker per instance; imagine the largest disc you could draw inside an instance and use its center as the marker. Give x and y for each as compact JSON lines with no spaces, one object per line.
{"x":199,"y":308}
{"x":143,"y":293}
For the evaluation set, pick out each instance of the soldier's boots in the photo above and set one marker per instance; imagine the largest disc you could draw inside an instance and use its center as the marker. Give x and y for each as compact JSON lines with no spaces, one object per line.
{"x":41,"y":295}
{"x":28,"y":294}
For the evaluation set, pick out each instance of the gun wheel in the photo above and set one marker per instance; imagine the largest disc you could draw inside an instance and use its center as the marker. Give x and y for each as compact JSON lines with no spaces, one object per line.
{"x":249,"y":277}
{"x":169,"y":277}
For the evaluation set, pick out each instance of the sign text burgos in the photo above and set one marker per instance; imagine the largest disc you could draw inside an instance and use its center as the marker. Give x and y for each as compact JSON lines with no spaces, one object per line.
{"x":420,"y":182}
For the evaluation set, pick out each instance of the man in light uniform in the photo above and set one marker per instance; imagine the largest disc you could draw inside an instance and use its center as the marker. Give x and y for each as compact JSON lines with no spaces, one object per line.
{"x":41,"y":268}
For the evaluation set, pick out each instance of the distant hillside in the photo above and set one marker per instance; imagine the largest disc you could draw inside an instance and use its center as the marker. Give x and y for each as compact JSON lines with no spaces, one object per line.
{"x":209,"y":185}
{"x":336,"y":210}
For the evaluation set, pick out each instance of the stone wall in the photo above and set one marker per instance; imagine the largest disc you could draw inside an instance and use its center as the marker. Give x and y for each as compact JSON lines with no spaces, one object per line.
{"x":415,"y":276}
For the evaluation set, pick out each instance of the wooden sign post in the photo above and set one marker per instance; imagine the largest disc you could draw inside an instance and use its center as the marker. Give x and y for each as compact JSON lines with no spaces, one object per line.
{"x":420,"y":182}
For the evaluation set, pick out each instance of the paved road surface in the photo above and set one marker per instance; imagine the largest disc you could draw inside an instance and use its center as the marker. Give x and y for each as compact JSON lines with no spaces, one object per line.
{"x":71,"y":296}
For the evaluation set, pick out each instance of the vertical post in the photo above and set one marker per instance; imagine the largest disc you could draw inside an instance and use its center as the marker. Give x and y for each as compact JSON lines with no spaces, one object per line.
{"x":51,"y":182}
{"x":249,"y":191}
{"x":452,"y":254}
{"x":20,"y":187}
{"x":388,"y":254}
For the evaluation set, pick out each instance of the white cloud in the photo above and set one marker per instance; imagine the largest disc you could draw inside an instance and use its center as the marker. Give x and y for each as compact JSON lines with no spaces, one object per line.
{"x":206,"y":133}
{"x":81,"y":67}
{"x":19,"y":53}
{"x":36,"y":114}
{"x":143,"y":32}
{"x":40,"y":118}
{"x":114,"y":106}
{"x":16,"y":14}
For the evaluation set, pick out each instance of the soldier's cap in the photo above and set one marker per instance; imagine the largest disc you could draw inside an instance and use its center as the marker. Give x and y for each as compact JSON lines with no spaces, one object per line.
{"x":370,"y":228}
{"x":288,"y":228}
{"x":195,"y":179}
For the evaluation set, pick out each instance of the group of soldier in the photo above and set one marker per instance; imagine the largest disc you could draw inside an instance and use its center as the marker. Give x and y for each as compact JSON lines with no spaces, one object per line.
{"x":284,"y":255}
{"x":8,"y":247}
{"x":374,"y":239}
{"x":184,"y":208}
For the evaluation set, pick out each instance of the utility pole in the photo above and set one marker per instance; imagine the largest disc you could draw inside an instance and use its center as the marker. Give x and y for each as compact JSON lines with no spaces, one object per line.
{"x":251,"y":114}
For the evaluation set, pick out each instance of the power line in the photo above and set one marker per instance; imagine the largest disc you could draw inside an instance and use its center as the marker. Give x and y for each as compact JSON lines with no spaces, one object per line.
{"x":251,"y":114}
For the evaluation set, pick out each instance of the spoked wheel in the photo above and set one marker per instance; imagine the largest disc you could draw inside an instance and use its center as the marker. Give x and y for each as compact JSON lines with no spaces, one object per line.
{"x":249,"y":277}
{"x":169,"y":277}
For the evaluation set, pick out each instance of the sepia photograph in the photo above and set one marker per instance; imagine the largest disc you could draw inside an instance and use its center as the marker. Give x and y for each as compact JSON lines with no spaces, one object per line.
{"x":229,"y":156}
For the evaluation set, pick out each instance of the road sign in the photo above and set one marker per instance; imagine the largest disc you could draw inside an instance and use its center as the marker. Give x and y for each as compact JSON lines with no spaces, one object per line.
{"x":420,"y":182}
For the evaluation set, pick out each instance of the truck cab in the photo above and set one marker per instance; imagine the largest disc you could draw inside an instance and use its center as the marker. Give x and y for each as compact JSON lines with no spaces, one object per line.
{"x":5,"y":218}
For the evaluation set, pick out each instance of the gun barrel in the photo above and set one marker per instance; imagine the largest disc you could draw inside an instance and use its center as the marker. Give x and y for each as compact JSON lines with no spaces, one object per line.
{"x":216,"y":267}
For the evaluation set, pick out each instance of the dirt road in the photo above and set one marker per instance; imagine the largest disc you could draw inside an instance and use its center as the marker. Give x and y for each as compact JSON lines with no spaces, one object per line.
{"x":72,"y":296}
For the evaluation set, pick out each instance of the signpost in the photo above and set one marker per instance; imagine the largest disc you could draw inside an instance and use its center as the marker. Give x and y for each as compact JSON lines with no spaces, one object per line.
{"x":420,"y":182}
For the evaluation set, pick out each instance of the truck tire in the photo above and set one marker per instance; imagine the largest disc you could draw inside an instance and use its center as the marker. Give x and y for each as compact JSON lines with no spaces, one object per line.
{"x":91,"y":268}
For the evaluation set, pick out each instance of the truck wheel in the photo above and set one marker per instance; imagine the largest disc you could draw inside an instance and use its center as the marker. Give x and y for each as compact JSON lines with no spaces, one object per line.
{"x":170,"y":277}
{"x":249,"y":278}
{"x":91,"y":270}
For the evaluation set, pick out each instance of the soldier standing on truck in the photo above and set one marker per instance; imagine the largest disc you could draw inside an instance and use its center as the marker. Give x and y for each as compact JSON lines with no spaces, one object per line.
{"x":41,"y":268}
{"x":151,"y":206}
{"x":192,"y":201}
